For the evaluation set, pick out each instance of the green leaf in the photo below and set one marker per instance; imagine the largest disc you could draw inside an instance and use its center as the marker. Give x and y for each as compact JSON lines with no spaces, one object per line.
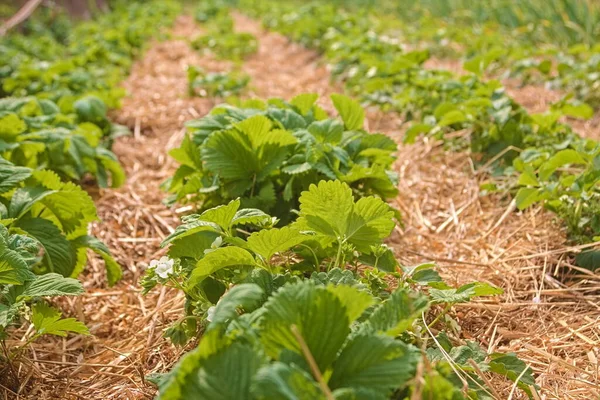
{"x":225,"y":375}
{"x":319,"y":316}
{"x":397,"y":313}
{"x":452,"y":117}
{"x":228,"y":154}
{"x":354,"y":299}
{"x":222,"y":215}
{"x":528,"y":178}
{"x":59,"y":255}
{"x":256,"y":128}
{"x":350,"y":111}
{"x":464,"y":293}
{"x":511,"y":367}
{"x":581,"y":110}
{"x":267,"y":242}
{"x":325,"y":208}
{"x":371,"y":221}
{"x":245,"y":296}
{"x":327,"y":131}
{"x":304,"y":102}
{"x":589,"y":259}
{"x":90,"y":109}
{"x":113,"y":270}
{"x":563,"y":157}
{"x":294,"y":169}
{"x":48,"y":321}
{"x":251,"y":216}
{"x":223,"y":257}
{"x":374,"y":362}
{"x":191,"y":224}
{"x":526,"y":197}
{"x":415,"y":130}
{"x":11,"y":175}
{"x":285,"y":382}
{"x":50,"y":285}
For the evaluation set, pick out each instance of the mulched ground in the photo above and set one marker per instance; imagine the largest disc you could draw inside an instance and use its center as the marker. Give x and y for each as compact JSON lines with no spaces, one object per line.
{"x":547,"y":318}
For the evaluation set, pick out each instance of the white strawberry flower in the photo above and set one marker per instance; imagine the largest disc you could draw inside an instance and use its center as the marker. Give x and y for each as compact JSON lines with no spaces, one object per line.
{"x":214,"y":245}
{"x":163,"y":267}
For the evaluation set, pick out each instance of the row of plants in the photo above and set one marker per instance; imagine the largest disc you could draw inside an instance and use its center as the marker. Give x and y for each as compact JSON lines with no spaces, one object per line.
{"x":224,"y":42}
{"x":533,"y":157}
{"x":288,"y":284}
{"x":58,"y":79}
{"x":507,"y":53}
{"x":539,"y":42}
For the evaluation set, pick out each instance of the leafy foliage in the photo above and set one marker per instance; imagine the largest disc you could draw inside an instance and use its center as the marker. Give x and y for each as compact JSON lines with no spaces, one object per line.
{"x":19,"y":286}
{"x":56,"y":215}
{"x":362,"y":47}
{"x":267,"y":154}
{"x":215,"y":84}
{"x":34,"y":133}
{"x":315,"y":341}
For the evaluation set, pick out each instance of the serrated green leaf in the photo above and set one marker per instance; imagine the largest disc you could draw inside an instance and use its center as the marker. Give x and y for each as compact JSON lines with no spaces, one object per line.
{"x":11,"y":175}
{"x":245,"y":296}
{"x":267,"y":242}
{"x":223,"y":257}
{"x":350,"y":111}
{"x":354,"y":299}
{"x":285,"y":382}
{"x":325,"y":207}
{"x":304,"y":102}
{"x":251,"y":216}
{"x":49,"y":285}
{"x":511,"y":367}
{"x":59,"y":255}
{"x":374,"y":362}
{"x":49,"y":321}
{"x":319,"y":316}
{"x":222,"y":215}
{"x":464,"y":293}
{"x":397,"y":313}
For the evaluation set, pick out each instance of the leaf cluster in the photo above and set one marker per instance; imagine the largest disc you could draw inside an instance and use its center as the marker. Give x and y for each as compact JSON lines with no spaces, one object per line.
{"x":268,"y":153}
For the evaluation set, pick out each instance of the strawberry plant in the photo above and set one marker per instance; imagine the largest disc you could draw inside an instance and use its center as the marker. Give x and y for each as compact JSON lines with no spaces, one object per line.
{"x":328,"y":340}
{"x":217,"y":84}
{"x":267,"y":153}
{"x":280,"y":304}
{"x":35,"y":203}
{"x":35,"y":134}
{"x":364,"y":52}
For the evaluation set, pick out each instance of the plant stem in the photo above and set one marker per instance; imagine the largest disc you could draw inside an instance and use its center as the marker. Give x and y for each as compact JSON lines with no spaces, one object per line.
{"x":312,"y":363}
{"x":440,"y":315}
{"x":339,"y":255}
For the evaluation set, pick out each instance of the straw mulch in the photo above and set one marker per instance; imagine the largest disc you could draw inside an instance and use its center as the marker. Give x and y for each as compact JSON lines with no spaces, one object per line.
{"x":548,"y":314}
